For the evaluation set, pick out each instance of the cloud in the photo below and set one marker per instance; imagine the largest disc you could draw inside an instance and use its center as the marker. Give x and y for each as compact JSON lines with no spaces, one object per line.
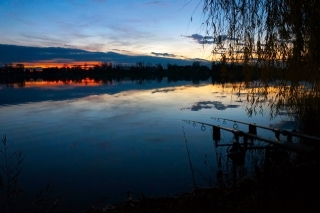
{"x":15,"y":54}
{"x":118,"y":50}
{"x":209,"y":39}
{"x":201,"y":39}
{"x":164,"y":54}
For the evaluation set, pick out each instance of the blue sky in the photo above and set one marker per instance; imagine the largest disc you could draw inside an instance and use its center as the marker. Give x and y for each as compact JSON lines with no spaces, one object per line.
{"x":131,"y":27}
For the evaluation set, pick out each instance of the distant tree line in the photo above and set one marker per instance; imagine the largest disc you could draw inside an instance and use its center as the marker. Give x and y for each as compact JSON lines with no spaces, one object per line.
{"x":140,"y":72}
{"x":133,"y":72}
{"x":105,"y":68}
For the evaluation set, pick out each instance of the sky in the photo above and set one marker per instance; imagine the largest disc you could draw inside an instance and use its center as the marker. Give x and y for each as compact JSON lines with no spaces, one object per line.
{"x":129,"y":27}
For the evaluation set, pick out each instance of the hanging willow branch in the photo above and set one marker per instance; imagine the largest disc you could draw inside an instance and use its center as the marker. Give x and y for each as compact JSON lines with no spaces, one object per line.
{"x":264,"y":32}
{"x":278,"y":38}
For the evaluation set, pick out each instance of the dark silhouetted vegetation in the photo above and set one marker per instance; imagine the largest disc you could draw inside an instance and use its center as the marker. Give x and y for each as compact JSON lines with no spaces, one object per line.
{"x":107,"y":72}
{"x":10,"y":170}
{"x":271,"y":36}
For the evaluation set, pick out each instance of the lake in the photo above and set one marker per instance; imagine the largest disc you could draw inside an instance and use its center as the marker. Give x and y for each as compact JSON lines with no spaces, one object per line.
{"x":92,"y":140}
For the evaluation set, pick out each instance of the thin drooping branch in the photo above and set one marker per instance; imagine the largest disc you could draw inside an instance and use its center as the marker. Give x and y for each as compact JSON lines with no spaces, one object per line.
{"x":278,"y":38}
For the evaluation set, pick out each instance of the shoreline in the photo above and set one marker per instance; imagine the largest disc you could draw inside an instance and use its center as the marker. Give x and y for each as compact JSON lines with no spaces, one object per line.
{"x":289,"y":190}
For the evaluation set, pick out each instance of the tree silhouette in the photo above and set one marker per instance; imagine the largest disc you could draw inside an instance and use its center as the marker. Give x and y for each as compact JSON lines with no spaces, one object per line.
{"x":278,"y":39}
{"x":274,"y":32}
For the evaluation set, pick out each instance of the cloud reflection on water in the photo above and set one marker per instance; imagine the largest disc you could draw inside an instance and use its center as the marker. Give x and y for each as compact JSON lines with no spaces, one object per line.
{"x":209,"y":105}
{"x":53,"y":91}
{"x":163,"y":90}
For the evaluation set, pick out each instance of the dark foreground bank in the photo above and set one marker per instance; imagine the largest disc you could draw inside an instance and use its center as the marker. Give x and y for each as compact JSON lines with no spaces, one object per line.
{"x":283,"y":190}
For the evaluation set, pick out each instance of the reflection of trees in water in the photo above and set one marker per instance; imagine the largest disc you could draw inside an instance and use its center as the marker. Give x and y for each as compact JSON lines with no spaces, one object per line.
{"x":140,"y":74}
{"x":299,"y":103}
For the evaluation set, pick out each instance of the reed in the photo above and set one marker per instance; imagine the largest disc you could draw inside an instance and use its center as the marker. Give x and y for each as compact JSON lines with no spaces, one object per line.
{"x":190,"y":163}
{"x":10,"y":171}
{"x":11,"y":167}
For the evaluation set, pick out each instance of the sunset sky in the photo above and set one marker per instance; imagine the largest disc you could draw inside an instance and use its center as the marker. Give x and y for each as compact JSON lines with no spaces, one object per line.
{"x":130,"y":27}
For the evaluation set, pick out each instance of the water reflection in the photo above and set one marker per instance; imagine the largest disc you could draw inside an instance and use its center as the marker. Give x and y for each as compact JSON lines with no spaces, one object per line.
{"x":210,"y":104}
{"x":72,"y":83}
{"x":99,"y":141}
{"x":36,"y":91}
{"x":297,"y":99}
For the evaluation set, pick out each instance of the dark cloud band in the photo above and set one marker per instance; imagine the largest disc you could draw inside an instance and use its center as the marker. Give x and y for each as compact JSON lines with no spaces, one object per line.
{"x":13,"y":54}
{"x":209,"y":39}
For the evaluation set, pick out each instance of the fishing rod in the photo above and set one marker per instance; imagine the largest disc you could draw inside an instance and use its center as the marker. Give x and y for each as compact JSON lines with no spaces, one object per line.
{"x":277,"y":131}
{"x":237,"y":133}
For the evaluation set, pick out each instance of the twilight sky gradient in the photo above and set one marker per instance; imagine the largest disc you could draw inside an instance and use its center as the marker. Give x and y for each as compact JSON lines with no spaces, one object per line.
{"x":131,"y":27}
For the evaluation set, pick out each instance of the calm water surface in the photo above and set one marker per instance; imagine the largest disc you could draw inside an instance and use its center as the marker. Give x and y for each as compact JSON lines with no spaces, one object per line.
{"x":93,"y":141}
